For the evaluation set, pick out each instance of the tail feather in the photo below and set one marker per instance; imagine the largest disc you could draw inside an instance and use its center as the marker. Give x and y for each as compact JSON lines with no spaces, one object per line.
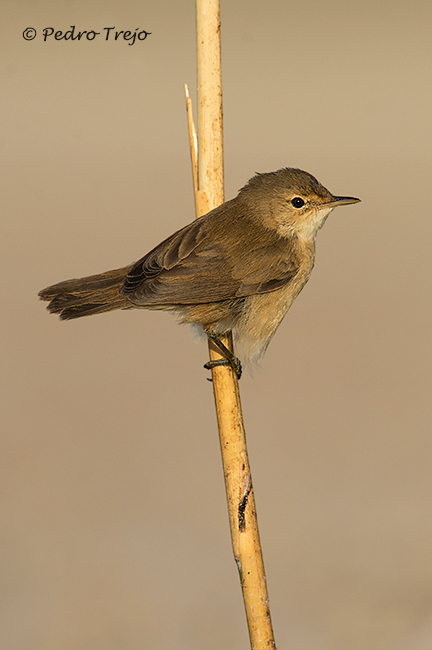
{"x":94,"y":294}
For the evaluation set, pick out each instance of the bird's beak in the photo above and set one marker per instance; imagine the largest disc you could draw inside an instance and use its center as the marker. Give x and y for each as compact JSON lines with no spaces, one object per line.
{"x":342,"y":200}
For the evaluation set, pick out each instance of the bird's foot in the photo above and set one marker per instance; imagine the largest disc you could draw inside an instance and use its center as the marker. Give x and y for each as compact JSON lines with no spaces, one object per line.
{"x":230,"y":358}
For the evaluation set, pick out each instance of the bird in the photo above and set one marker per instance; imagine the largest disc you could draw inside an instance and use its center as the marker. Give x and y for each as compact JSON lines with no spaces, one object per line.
{"x":236,"y":269}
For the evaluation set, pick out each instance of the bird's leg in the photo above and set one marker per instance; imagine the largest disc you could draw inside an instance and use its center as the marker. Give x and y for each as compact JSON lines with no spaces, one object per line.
{"x":230,"y":358}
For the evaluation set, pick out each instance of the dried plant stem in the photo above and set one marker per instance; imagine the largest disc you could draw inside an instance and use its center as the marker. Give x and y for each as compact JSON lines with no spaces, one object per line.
{"x":207,"y":166}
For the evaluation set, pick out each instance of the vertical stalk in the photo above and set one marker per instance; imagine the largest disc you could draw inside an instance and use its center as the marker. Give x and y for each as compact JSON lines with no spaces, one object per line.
{"x":207,"y":164}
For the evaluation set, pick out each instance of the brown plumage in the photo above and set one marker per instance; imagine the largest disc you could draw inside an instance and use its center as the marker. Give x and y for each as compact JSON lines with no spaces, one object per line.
{"x":238,"y":268}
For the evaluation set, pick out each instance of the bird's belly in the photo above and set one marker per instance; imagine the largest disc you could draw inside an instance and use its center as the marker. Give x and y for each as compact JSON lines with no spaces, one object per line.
{"x":261,"y":316}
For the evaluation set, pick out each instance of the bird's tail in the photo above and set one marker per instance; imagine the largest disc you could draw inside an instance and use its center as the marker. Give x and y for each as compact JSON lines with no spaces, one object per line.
{"x":86,"y":296}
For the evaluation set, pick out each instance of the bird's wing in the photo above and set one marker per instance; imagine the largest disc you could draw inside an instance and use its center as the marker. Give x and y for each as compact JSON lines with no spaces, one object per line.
{"x":193,"y":267}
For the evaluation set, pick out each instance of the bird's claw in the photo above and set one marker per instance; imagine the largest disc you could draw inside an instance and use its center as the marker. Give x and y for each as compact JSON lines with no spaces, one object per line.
{"x":229,"y":360}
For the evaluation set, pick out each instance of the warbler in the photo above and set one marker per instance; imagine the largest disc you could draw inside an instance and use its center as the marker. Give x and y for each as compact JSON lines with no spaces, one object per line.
{"x":236,"y":269}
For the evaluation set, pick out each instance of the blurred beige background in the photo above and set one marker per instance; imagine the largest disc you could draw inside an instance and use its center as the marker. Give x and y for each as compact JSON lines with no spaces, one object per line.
{"x":114,"y":528}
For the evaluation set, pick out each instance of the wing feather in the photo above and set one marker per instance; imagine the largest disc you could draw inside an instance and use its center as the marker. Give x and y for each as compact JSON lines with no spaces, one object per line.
{"x":204,"y":263}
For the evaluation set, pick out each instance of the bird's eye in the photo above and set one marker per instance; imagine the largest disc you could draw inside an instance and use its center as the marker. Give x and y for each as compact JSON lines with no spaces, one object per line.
{"x":297,"y":202}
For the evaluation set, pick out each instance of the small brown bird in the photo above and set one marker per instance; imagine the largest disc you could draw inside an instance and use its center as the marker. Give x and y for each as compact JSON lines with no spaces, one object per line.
{"x":236,"y":269}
